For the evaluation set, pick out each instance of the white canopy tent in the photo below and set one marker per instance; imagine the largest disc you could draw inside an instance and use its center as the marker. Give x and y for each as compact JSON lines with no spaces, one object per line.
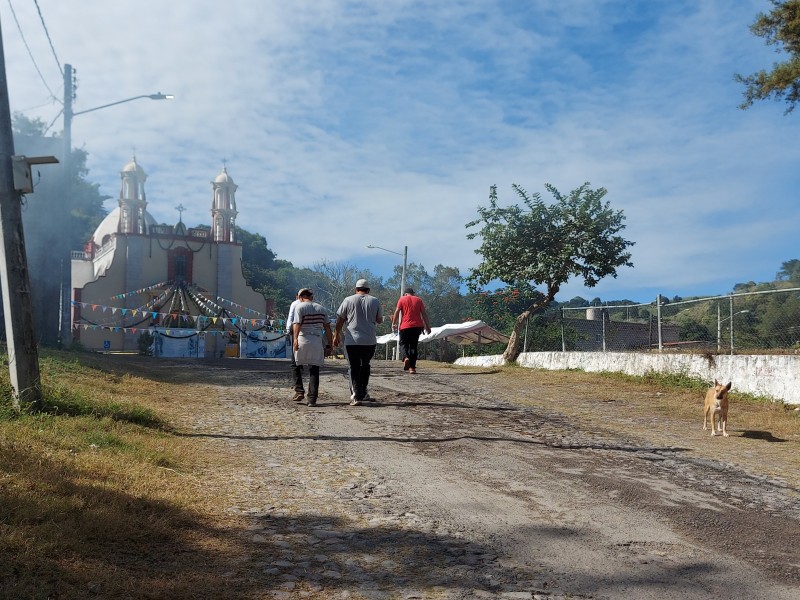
{"x":462,"y":334}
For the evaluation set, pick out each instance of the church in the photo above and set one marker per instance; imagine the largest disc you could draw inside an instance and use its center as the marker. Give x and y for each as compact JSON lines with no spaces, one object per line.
{"x":141,"y":286}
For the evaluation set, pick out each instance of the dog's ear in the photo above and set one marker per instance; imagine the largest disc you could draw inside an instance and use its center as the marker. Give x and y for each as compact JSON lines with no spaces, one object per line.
{"x":716,"y":383}
{"x":728,"y":387}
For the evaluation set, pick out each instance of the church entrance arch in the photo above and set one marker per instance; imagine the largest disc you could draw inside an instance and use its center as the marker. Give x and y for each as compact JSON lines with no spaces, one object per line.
{"x":180,"y":265}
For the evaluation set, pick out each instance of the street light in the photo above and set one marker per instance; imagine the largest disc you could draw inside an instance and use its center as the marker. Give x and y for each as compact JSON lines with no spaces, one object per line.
{"x":64,"y":325}
{"x":402,"y":279}
{"x":156,"y":96}
{"x":719,"y":326}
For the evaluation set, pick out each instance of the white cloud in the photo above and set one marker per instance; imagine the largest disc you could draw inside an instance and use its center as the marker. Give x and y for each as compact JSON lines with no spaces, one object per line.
{"x":392,"y":120}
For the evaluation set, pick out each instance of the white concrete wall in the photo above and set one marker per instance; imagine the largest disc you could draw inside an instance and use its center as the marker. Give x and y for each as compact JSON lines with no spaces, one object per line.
{"x":776,"y":377}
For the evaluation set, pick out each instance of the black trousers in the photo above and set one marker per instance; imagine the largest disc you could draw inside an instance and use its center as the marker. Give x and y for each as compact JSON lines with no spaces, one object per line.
{"x":409,"y":339}
{"x":313,"y":383}
{"x":359,"y":357}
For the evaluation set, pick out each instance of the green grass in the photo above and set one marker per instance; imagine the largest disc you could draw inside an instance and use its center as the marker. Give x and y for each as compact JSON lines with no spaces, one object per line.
{"x":92,"y":486}
{"x":682,"y":381}
{"x":70,"y":389}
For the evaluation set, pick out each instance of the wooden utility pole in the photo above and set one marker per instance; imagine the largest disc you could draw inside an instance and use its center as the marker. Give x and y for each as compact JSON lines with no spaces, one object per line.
{"x":23,"y":356}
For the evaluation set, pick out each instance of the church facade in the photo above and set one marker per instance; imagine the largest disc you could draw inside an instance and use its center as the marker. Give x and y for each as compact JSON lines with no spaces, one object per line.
{"x":136,"y":278}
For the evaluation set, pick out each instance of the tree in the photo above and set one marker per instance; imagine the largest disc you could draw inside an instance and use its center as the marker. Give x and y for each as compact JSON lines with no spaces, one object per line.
{"x":441,"y":291}
{"x":265,"y":273}
{"x":45,"y":237}
{"x":781,"y":28}
{"x":444,"y":301}
{"x":790,"y":271}
{"x":542,"y":244}
{"x":337,"y":280}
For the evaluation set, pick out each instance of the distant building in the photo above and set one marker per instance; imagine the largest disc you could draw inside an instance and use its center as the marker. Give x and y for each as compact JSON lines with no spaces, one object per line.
{"x":618,"y":335}
{"x":135,"y":276}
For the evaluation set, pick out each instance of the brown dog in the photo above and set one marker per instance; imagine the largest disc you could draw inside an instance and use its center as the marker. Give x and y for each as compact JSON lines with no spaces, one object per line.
{"x":716,"y":408}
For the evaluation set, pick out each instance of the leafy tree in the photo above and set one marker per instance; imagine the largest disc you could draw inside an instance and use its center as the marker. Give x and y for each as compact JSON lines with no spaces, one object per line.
{"x":86,"y":202}
{"x":542,"y":244}
{"x":265,"y":273}
{"x":694,"y":331}
{"x":780,"y":27}
{"x":46,"y":239}
{"x":790,"y":271}
{"x":444,"y":301}
{"x":577,"y":302}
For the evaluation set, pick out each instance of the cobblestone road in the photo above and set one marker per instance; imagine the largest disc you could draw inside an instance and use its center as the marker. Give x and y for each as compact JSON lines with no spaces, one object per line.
{"x":449,"y":488}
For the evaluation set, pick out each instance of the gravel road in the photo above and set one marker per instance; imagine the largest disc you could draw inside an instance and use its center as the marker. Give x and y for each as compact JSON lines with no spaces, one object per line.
{"x":451,"y":486}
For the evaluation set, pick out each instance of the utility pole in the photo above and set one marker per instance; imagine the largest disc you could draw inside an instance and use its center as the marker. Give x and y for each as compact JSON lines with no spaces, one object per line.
{"x":64,"y":304}
{"x":23,"y":356}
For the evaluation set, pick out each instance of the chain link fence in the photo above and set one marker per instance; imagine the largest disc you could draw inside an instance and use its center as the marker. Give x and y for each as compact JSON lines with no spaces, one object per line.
{"x":760,"y":322}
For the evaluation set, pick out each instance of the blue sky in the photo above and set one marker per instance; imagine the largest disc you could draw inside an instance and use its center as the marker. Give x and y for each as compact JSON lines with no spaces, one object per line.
{"x":349,"y":123}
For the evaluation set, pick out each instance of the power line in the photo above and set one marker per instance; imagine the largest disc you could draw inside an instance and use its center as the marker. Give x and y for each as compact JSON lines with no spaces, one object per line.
{"x":47,"y":33}
{"x":61,"y":112}
{"x":28,"y":48}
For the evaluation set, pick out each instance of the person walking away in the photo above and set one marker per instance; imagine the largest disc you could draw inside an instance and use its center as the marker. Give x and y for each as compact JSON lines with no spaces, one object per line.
{"x":412,"y":319}
{"x":297,"y":370}
{"x":312,"y":339}
{"x":362,"y":314}
{"x":367,"y":397}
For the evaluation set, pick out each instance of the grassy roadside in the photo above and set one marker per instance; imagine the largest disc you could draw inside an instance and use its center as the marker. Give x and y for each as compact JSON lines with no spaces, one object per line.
{"x":97,"y":497}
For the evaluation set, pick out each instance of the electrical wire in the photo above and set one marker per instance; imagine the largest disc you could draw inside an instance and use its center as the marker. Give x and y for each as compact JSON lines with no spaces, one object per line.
{"x":61,"y":112}
{"x":47,"y":33}
{"x":28,"y":48}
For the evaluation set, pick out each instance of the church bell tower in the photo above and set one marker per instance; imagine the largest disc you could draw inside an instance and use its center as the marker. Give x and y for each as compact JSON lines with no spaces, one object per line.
{"x":223,"y":208}
{"x":132,"y":199}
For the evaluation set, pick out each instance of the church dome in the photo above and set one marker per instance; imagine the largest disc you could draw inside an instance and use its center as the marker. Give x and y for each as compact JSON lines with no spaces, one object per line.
{"x":223,"y":177}
{"x":132,"y":167}
{"x":110,"y":226}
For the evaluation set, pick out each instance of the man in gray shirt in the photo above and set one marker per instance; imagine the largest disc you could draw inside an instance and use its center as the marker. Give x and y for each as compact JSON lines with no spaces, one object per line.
{"x":362,"y":314}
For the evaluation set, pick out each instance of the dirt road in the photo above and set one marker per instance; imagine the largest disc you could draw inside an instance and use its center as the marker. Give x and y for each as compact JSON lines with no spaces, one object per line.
{"x":470,"y":483}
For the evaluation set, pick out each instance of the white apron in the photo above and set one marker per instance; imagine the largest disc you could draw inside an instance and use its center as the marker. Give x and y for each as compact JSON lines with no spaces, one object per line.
{"x":311,"y":350}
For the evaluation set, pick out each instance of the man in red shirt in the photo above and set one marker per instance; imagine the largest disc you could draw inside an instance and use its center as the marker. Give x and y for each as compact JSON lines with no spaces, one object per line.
{"x":412,"y":323}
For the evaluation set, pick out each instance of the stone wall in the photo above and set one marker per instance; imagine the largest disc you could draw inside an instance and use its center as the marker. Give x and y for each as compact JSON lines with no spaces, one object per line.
{"x":776,"y":377}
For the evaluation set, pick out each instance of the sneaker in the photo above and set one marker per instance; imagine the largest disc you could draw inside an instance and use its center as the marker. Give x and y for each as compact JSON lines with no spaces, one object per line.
{"x":311,"y":403}
{"x":412,"y":370}
{"x":355,"y":402}
{"x":368,"y":398}
{"x":405,"y":363}
{"x":299,"y":397}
